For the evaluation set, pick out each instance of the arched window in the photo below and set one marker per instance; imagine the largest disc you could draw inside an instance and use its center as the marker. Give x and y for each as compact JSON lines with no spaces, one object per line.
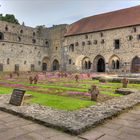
{"x":83,"y":43}
{"x":101,"y":34}
{"x":19,"y":38}
{"x":89,"y":64}
{"x":33,"y":33}
{"x":71,"y":48}
{"x":86,"y":65}
{"x":55,"y":65}
{"x":95,"y":42}
{"x":113,"y":64}
{"x":86,"y":36}
{"x":34,"y":41}
{"x":135,"y":66}
{"x":1,"y":36}
{"x":8,"y":60}
{"x":117,"y":64}
{"x":39,"y":62}
{"x":134,"y":29}
{"x":25,"y":62}
{"x":76,"y":44}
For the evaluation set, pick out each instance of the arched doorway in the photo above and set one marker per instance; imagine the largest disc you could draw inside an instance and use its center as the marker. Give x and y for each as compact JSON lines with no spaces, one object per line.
{"x":101,"y":65}
{"x":44,"y":67}
{"x":45,"y":64}
{"x":55,"y":65}
{"x":135,"y":67}
{"x":1,"y":36}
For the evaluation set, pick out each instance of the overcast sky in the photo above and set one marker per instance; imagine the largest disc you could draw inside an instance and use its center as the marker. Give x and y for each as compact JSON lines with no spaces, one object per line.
{"x":52,"y":12}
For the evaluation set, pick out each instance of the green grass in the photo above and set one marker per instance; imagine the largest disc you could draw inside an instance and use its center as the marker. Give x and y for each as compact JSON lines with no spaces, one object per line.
{"x":60,"y":102}
{"x":110,"y":87}
{"x":5,"y":90}
{"x":58,"y":98}
{"x":54,"y":101}
{"x":62,"y":87}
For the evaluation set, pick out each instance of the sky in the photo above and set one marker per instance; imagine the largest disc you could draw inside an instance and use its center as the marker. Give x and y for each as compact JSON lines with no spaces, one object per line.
{"x":54,"y":12}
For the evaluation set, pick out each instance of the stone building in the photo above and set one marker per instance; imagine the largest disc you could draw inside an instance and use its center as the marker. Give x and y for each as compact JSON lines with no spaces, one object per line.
{"x":107,"y":42}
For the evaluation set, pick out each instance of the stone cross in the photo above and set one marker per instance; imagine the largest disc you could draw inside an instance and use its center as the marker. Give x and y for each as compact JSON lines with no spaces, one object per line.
{"x":59,"y":74}
{"x":17,"y":74}
{"x":88,"y":75}
{"x":31,"y":79}
{"x":125,"y":82}
{"x":76,"y":78}
{"x":11,"y":75}
{"x":65,"y":75}
{"x":94,"y":91}
{"x":36,"y":79}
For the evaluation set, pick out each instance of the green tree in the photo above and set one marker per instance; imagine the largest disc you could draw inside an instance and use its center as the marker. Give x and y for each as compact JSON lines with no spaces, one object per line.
{"x":9,"y":18}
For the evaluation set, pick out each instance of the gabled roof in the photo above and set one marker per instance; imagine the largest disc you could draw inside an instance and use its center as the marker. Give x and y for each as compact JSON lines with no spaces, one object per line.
{"x":116,"y":19}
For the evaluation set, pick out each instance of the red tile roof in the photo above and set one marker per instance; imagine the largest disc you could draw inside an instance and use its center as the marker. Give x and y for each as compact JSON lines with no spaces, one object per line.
{"x":111,"y":20}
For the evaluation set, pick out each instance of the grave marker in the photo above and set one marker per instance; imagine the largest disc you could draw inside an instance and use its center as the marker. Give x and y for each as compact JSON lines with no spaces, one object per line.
{"x":17,"y":97}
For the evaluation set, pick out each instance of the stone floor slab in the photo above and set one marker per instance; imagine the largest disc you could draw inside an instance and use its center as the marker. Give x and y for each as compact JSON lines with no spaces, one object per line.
{"x":73,"y":122}
{"x":21,"y":129}
{"x":117,"y":129}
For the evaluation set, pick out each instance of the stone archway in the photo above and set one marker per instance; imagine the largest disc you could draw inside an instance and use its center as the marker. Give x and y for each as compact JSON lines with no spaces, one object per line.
{"x":55,"y":65}
{"x":45,"y":64}
{"x":114,"y":63}
{"x":86,"y":63}
{"x":135,"y":66}
{"x":99,"y":64}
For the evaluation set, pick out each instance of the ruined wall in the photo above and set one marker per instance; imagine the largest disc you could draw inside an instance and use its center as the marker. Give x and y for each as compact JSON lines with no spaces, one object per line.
{"x":31,"y":48}
{"x":55,"y":36}
{"x":129,"y":48}
{"x":20,"y":45}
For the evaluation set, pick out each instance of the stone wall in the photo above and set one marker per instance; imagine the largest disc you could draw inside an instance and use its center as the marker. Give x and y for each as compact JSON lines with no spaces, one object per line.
{"x":29,"y":47}
{"x":32,"y":48}
{"x":101,"y":45}
{"x":55,"y":36}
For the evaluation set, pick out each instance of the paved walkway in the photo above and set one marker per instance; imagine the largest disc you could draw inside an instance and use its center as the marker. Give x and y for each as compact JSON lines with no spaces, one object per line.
{"x":124,"y":127}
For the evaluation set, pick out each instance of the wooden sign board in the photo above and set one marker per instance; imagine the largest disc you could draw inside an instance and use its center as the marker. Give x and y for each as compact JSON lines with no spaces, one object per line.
{"x":17,"y":97}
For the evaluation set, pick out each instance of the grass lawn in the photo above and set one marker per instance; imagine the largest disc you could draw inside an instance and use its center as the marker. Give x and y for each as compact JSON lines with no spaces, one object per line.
{"x":62,"y":93}
{"x":55,"y":101}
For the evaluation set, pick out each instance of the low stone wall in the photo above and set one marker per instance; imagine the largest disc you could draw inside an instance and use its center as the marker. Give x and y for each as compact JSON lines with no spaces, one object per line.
{"x":73,"y":122}
{"x":125,"y":91}
{"x":119,"y":79}
{"x":130,"y":75}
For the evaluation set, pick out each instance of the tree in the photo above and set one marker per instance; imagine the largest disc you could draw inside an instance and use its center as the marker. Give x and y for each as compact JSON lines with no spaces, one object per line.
{"x":9,"y":18}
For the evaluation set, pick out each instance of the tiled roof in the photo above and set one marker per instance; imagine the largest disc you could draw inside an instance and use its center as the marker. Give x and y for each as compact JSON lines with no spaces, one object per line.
{"x":106,"y":21}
